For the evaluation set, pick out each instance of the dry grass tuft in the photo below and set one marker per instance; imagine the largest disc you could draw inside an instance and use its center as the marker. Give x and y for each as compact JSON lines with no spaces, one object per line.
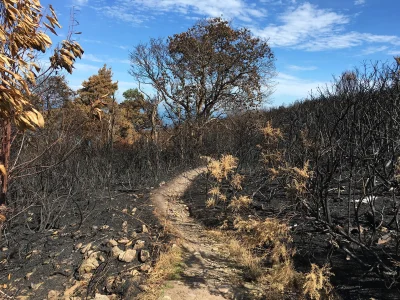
{"x":263,"y":247}
{"x":317,"y":283}
{"x":167,"y":267}
{"x":244,"y":256}
{"x":239,"y":203}
{"x":220,"y":169}
{"x":236,"y":182}
{"x":271,"y":133}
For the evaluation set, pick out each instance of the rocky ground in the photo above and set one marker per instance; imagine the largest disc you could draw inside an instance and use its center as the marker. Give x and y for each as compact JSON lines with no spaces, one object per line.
{"x":109,"y":249}
{"x":104,"y":252}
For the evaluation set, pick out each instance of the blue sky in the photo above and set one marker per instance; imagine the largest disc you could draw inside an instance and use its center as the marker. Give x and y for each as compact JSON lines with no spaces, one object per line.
{"x":312,"y":40}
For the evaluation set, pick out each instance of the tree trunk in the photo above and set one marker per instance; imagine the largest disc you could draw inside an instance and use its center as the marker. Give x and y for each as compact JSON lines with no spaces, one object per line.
{"x":154,"y":124}
{"x":4,"y":158}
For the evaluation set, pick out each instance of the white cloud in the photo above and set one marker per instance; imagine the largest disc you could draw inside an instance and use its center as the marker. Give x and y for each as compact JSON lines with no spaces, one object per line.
{"x":91,"y":57}
{"x":81,"y":2}
{"x":359,"y":2}
{"x":302,"y":68}
{"x":372,"y":50}
{"x":294,"y":88}
{"x":104,"y":59}
{"x":309,"y":28}
{"x":394,"y":52}
{"x":138,"y":11}
{"x":81,"y":67}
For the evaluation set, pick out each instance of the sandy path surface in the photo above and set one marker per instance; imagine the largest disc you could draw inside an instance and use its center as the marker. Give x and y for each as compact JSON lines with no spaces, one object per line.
{"x":208,"y":272}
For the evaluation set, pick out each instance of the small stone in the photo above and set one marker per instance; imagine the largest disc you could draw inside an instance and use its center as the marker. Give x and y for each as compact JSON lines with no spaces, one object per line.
{"x":134,"y":235}
{"x":53,"y":295}
{"x":127,"y":256}
{"x":144,"y":255}
{"x":86,"y":277}
{"x":78,"y":246}
{"x":133,"y":211}
{"x":4,"y":249}
{"x":144,"y":287}
{"x":104,"y":227}
{"x":123,"y":241}
{"x":145,"y":268}
{"x":110,"y":284}
{"x":86,"y":248}
{"x":88,"y":265}
{"x":139,"y":245}
{"x":101,"y":297}
{"x":224,"y":289}
{"x":125,"y":210}
{"x":144,"y":229}
{"x":116,"y":251}
{"x":134,"y":273}
{"x":28,"y":275}
{"x":125,"y":227}
{"x":112,"y":243}
{"x":94,"y":227}
{"x":101,"y":258}
{"x":35,"y":286}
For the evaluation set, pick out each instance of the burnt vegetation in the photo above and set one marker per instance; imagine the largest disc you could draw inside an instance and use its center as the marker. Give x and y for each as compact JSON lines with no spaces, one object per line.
{"x":316,"y":183}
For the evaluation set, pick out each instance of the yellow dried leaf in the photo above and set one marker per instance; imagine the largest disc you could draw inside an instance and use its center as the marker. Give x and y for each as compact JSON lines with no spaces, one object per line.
{"x":50,"y":28}
{"x":3,"y":170}
{"x":40,"y":120}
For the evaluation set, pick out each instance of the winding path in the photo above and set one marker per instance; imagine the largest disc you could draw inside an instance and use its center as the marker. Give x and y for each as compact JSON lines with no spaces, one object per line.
{"x":208,"y":273}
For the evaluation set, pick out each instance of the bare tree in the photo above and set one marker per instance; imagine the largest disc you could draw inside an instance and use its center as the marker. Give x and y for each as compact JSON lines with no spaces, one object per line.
{"x":206,"y":70}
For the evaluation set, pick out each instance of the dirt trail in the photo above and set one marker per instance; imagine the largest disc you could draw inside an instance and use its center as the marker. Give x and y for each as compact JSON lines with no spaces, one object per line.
{"x":208,"y":274}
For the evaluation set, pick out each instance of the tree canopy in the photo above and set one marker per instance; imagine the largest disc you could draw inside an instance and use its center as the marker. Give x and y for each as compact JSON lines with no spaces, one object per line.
{"x":99,"y":86}
{"x":210,"y":68}
{"x":98,"y":90}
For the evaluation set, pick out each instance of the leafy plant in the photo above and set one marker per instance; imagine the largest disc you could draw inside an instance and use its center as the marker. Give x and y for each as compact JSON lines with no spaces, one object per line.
{"x":23,"y":35}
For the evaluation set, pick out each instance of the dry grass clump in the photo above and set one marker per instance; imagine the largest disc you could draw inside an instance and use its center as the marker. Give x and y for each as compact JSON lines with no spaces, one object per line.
{"x":296,"y":179}
{"x":226,"y":184}
{"x":270,"y":233}
{"x":317,"y":283}
{"x":251,"y":263}
{"x":220,"y":169}
{"x":215,"y":197}
{"x":263,"y":246}
{"x":236,"y":181}
{"x":271,"y":133}
{"x":239,"y":203}
{"x":263,"y":249}
{"x":167,"y":267}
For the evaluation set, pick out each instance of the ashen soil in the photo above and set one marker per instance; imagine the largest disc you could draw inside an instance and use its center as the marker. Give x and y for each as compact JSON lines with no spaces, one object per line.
{"x":350,"y":280}
{"x":49,"y":264}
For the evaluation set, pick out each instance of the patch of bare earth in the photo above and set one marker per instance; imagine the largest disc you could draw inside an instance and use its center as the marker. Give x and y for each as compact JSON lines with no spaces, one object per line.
{"x":104,"y":250}
{"x":207,"y":271}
